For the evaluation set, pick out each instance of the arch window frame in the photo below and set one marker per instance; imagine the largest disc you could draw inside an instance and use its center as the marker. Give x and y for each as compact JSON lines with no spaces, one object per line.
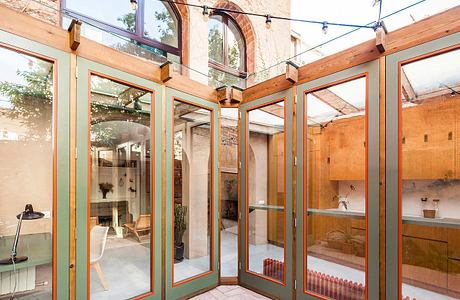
{"x":138,"y":34}
{"x":224,"y":67}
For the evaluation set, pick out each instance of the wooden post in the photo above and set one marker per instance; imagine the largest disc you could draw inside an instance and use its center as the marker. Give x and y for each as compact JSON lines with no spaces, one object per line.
{"x":74,"y":34}
{"x":380,"y":39}
{"x":292,"y":73}
{"x":229,"y":96}
{"x":166,"y":71}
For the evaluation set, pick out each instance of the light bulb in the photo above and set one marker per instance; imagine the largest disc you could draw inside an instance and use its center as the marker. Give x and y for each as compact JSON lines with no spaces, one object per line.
{"x":133,"y":4}
{"x":375,"y":2}
{"x":268,"y":21}
{"x":205,"y":13}
{"x":325,"y":27}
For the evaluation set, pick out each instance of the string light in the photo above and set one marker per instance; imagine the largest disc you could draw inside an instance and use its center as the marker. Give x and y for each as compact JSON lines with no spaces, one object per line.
{"x":268,"y":21}
{"x":325,"y":28}
{"x":133,"y":4}
{"x":205,"y":13}
{"x":206,"y":10}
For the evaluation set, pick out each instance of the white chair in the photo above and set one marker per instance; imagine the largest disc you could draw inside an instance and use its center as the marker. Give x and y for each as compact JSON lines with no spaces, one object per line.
{"x":98,"y":237}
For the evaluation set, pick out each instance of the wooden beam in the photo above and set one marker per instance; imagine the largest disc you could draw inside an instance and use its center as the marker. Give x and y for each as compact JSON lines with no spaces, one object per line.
{"x":336,"y":102}
{"x":292,"y":72}
{"x":131,"y":94}
{"x":423,"y":31}
{"x":229,"y":96}
{"x":274,"y":109}
{"x":166,"y":71}
{"x":407,"y":89}
{"x":380,"y":39}
{"x":74,"y":34}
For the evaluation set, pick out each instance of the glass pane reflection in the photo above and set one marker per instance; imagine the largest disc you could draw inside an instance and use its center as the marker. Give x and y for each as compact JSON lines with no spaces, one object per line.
{"x":335,"y":145}
{"x":192,"y":190}
{"x":266,"y":191}
{"x":26,"y":169}
{"x":121,"y":191}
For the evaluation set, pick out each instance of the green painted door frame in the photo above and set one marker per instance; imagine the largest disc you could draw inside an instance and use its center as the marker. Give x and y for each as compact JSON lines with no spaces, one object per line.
{"x":62,"y":63}
{"x":372,"y":70}
{"x":84,"y":69}
{"x":392,"y":152}
{"x":181,"y":290}
{"x":277,"y":290}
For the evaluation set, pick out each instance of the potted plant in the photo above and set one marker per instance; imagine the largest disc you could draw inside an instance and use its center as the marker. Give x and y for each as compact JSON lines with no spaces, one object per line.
{"x":180,"y":226}
{"x":105,"y":188}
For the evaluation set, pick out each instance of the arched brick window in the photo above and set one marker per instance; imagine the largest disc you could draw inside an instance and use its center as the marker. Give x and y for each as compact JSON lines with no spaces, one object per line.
{"x":230,"y":45}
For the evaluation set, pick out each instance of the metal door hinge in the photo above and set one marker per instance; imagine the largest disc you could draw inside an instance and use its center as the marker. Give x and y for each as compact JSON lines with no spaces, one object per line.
{"x":76,"y":72}
{"x":240,"y":164}
{"x":218,"y":266}
{"x":240,"y":215}
{"x":240,"y":114}
{"x":295,"y":284}
{"x":76,"y":153}
{"x":295,"y":99}
{"x":295,"y":222}
{"x":295,"y":161}
{"x":239,"y":265}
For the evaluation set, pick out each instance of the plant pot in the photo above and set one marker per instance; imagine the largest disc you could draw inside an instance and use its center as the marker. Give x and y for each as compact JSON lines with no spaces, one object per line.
{"x":104,"y":194}
{"x":178,"y":252}
{"x":429,"y":213}
{"x":347,"y":248}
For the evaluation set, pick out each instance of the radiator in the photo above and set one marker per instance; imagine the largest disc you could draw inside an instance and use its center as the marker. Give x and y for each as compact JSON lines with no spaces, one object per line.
{"x":321,"y":284}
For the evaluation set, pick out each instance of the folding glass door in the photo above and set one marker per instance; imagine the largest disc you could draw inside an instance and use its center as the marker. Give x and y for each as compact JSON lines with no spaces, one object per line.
{"x":34,"y":170}
{"x":423,"y":212}
{"x":266,"y":195}
{"x":338,"y":185}
{"x":191,"y":230}
{"x":119,"y":175}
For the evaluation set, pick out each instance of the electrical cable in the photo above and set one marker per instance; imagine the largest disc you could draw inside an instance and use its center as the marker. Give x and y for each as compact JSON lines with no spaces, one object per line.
{"x":220,"y":9}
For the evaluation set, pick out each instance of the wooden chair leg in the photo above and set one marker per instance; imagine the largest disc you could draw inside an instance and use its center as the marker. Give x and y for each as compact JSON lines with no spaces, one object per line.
{"x":137,"y":235}
{"x":100,"y":274}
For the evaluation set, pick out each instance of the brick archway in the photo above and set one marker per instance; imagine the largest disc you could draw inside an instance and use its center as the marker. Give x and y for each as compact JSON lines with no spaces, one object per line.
{"x":247,"y":30}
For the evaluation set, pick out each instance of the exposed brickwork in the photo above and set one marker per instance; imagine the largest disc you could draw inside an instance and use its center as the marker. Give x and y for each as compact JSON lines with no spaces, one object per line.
{"x":45,"y":10}
{"x":229,"y":136}
{"x":247,"y":29}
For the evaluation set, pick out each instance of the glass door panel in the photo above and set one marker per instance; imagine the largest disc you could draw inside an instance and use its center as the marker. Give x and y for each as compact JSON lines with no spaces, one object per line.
{"x":119,"y":177}
{"x":191,"y":195}
{"x":336,"y":188}
{"x":429,"y":111}
{"x":266,"y":240}
{"x":192,"y":190}
{"x":120,"y":193}
{"x":33,"y":170}
{"x":229,"y":192}
{"x":338,"y":185}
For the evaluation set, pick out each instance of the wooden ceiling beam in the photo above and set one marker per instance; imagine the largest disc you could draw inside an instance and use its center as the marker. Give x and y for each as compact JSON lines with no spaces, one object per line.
{"x":336,"y":102}
{"x":407,"y":89}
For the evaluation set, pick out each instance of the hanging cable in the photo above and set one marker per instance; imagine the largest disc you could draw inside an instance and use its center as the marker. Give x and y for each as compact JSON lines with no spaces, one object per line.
{"x":227,"y":10}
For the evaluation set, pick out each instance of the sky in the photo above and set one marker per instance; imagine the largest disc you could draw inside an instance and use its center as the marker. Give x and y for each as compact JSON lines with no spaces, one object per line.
{"x":360,"y":12}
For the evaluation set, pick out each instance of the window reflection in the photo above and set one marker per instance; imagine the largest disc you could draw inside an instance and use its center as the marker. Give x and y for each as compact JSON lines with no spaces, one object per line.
{"x":265,"y":155}
{"x":121,"y":192}
{"x":26,"y":168}
{"x":430,"y":91}
{"x":192,"y":191}
{"x":335,"y":145}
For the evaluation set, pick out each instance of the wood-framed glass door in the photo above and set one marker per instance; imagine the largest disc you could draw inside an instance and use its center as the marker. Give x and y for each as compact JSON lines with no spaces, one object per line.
{"x":266,"y":195}
{"x":338,"y":185}
{"x":118,"y":184}
{"x":423,"y":215}
{"x":191,"y":204}
{"x":34,"y":168}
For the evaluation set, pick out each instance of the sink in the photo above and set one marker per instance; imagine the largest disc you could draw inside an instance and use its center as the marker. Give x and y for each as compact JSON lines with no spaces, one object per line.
{"x":348,"y":210}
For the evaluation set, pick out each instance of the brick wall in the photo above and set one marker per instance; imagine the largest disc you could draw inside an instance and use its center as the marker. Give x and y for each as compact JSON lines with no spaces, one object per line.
{"x":46,"y":10}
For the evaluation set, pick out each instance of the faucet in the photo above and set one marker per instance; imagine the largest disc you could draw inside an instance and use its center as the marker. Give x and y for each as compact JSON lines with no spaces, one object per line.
{"x":342,"y":202}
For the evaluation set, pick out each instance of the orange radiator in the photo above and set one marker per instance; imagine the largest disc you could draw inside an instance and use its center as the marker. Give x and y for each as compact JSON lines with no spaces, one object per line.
{"x":321,"y":284}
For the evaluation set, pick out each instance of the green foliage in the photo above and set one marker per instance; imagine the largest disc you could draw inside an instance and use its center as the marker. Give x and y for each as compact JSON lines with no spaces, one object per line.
{"x":166,"y":27}
{"x":215,"y":44}
{"x":31,"y":103}
{"x":180,"y":225}
{"x":129,"y":20}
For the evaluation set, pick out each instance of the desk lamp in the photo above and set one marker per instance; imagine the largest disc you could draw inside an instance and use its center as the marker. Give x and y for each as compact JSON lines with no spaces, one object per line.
{"x":27,"y":214}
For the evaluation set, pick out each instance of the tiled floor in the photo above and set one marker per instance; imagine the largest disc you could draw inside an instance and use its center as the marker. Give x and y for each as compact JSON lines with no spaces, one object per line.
{"x":235,"y":292}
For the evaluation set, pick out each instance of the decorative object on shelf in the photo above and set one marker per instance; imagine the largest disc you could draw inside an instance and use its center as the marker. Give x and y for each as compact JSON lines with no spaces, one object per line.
{"x":429,"y":213}
{"x":105,"y":188}
{"x":180,"y":226}
{"x":27,"y":214}
{"x":343,"y":200}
